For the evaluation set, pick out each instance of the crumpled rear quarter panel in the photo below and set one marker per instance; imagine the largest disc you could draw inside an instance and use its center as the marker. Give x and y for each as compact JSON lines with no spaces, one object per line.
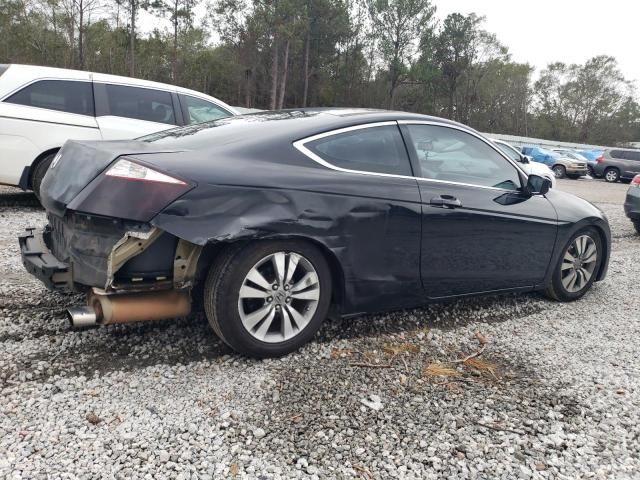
{"x":376,"y":240}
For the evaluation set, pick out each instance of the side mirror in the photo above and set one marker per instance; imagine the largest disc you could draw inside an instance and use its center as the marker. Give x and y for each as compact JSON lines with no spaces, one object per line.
{"x":537,"y":185}
{"x":524,"y":159}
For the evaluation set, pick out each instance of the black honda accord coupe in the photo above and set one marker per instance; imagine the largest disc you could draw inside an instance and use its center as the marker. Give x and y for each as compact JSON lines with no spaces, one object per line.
{"x":273,"y":219}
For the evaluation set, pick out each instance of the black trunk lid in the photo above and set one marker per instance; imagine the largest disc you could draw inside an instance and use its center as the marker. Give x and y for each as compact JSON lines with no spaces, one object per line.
{"x":78,"y":163}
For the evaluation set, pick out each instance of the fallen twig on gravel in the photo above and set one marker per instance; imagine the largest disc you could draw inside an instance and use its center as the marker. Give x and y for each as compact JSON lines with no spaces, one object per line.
{"x":473,"y":355}
{"x":371,"y":365}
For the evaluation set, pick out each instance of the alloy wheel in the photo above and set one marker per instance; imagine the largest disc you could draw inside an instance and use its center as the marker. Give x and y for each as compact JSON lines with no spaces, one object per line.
{"x":278,"y":297}
{"x":579,"y":263}
{"x":559,"y":171}
{"x":611,"y":176}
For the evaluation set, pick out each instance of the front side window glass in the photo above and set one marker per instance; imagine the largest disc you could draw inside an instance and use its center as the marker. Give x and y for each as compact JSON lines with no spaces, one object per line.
{"x":199,"y":110}
{"x":452,"y":155}
{"x":375,"y":149}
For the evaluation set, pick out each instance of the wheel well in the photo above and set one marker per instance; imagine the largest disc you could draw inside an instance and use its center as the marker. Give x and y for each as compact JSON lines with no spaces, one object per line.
{"x":38,"y":159}
{"x":605,"y":246}
{"x":612,"y":168}
{"x":558,"y":165}
{"x":211,"y":251}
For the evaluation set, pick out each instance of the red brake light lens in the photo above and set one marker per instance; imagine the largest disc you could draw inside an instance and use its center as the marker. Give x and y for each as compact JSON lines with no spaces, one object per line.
{"x":636,"y":181}
{"x":600,"y":159}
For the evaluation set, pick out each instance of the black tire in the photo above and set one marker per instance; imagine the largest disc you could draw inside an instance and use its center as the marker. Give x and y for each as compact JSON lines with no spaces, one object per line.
{"x":574,"y":177}
{"x":559,"y":171}
{"x":611,"y":175}
{"x":221,"y":296}
{"x":636,"y":224}
{"x":556,"y":290}
{"x":39,"y":172}
{"x":591,"y":171}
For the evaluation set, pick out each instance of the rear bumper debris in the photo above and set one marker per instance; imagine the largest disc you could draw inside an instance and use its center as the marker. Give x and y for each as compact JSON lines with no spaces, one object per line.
{"x":40,"y":261}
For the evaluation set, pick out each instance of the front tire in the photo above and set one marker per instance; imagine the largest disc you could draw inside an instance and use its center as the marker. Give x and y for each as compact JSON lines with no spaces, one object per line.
{"x":39,"y":171}
{"x":577,"y":266}
{"x":559,"y":171}
{"x":267,"y":299}
{"x":612,"y":175}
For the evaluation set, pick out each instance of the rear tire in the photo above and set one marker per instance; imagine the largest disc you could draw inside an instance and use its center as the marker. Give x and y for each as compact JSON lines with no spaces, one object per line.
{"x":636,"y":224}
{"x":576,"y":263}
{"x":612,"y":175}
{"x":559,"y":171}
{"x":39,"y":172}
{"x":259,"y":312}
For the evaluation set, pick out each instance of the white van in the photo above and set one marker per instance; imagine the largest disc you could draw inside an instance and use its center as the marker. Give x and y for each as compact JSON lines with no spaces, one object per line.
{"x":41,"y":108}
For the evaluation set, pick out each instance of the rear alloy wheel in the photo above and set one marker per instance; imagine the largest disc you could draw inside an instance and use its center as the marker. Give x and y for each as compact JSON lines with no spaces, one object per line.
{"x":559,"y":171}
{"x":269,"y":298}
{"x":577,"y":266}
{"x":612,"y":175}
{"x":39,"y":171}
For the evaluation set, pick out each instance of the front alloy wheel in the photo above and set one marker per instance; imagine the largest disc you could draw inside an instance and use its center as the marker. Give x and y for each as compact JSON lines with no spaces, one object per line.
{"x":579,"y":263}
{"x":577,"y":267}
{"x":559,"y":171}
{"x":267,"y":299}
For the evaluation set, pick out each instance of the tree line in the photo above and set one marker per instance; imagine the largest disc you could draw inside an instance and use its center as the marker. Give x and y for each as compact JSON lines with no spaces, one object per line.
{"x":396,"y":54}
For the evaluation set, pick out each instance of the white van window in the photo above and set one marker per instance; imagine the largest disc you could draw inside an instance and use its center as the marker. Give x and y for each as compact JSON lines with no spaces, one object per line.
{"x":140,"y":104}
{"x":61,"y":95}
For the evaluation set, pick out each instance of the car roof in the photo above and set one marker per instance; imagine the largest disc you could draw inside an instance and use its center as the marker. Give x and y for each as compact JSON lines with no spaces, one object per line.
{"x":266,"y":127}
{"x":18,"y":75}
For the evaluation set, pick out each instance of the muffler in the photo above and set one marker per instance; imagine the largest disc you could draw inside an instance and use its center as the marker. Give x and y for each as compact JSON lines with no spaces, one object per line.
{"x":106,"y":309}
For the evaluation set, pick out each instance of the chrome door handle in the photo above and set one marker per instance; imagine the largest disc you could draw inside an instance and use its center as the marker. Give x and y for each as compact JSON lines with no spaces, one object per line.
{"x":445,"y":201}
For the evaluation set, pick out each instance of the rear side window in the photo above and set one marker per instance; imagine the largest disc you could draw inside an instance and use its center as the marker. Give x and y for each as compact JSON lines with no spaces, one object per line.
{"x":621,"y":154}
{"x":140,"y":104}
{"x":197,"y":110}
{"x":632,"y":155}
{"x":375,"y":149}
{"x":61,"y":95}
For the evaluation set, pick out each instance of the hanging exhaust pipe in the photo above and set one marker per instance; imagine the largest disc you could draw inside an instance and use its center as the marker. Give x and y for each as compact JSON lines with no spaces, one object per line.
{"x":107,"y":309}
{"x":82,"y":316}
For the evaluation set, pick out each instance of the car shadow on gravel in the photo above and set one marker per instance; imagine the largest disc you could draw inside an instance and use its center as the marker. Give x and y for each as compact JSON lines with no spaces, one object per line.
{"x":19,"y":199}
{"x":49,"y":340}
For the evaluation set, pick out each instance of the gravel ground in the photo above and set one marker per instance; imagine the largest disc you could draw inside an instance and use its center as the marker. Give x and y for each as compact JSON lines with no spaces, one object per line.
{"x":554,"y":394}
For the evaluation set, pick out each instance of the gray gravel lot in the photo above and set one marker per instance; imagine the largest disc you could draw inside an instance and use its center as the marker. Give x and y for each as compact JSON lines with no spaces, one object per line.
{"x":554,"y":395}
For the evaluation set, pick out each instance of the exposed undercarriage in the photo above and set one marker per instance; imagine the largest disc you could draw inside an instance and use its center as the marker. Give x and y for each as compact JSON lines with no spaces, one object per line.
{"x":131,"y":271}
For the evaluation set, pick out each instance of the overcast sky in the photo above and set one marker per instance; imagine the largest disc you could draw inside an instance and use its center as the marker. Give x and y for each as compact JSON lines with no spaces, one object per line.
{"x":570,"y":31}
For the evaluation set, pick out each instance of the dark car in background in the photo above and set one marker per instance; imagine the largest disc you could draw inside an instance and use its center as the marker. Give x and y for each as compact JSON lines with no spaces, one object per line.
{"x":270,"y":220}
{"x":618,"y":164}
{"x":632,"y":202}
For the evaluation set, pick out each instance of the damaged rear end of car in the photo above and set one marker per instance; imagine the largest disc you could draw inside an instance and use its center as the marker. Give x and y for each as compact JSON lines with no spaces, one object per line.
{"x":130,"y":269}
